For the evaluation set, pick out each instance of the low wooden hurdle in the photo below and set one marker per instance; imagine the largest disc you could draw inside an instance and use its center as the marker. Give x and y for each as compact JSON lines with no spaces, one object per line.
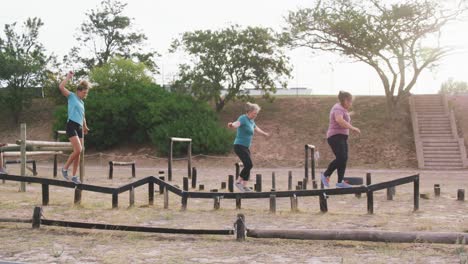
{"x":33,"y":162}
{"x":240,"y":231}
{"x":121,"y":163}
{"x":170,"y":158}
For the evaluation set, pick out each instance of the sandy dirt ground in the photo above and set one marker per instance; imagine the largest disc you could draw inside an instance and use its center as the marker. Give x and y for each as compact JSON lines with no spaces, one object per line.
{"x":19,"y":243}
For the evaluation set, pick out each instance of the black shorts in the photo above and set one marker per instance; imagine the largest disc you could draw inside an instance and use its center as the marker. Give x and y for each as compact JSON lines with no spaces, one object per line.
{"x":74,"y":129}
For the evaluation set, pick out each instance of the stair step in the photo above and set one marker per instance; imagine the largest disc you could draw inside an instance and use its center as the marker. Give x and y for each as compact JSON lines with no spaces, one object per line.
{"x":440,"y":149}
{"x":443,"y":162}
{"x":442,"y":168}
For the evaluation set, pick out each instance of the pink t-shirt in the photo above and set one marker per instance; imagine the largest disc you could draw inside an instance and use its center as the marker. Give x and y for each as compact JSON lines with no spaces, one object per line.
{"x":334,"y":128}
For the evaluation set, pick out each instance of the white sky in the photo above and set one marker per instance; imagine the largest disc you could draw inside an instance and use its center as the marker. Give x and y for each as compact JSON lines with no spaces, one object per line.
{"x":162,"y":21}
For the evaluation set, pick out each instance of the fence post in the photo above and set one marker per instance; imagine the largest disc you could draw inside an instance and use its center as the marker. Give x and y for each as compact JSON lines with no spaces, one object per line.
{"x":231,"y":183}
{"x":185,"y":186}
{"x":134,"y":170}
{"x":312,"y":159}
{"x":389,"y":194}
{"x":437,"y":190}
{"x":323,"y":203}
{"x":36,"y":219}
{"x":289,"y":180}
{"x":273,"y":203}
{"x":304,"y":184}
{"x":237,"y":169}
{"x":194,"y":178}
{"x":184,"y":201}
{"x":240,"y":227}
{"x":169,"y":161}
{"x":189,"y":166}
{"x":201,"y":187}
{"x":238,"y":202}
{"x":416,"y":194}
{"x":132,"y":197}
{"x":151,"y":193}
{"x":306,"y":161}
{"x":259,"y":183}
{"x":461,"y":195}
{"x":166,"y":198}
{"x":23,"y":156}
{"x":111,"y":170}
{"x":217,"y":202}
{"x":370,"y":195}
{"x":77,"y":198}
{"x":56,"y":137}
{"x":45,"y":194}
{"x":115,"y":200}
{"x":273,"y":180}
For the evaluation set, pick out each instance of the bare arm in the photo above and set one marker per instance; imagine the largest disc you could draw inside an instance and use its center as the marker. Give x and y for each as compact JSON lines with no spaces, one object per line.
{"x":235,"y":124}
{"x":85,"y":126}
{"x":339,"y":119}
{"x":62,"y":88}
{"x":257,"y":129}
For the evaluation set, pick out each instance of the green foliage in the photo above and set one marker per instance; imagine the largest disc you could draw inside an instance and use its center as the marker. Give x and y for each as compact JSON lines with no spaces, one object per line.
{"x":180,"y":116}
{"x":107,"y":33}
{"x":232,"y":59}
{"x":22,"y":65}
{"x":452,"y":87}
{"x":119,"y":73}
{"x":387,"y":36}
{"x":125,"y":106}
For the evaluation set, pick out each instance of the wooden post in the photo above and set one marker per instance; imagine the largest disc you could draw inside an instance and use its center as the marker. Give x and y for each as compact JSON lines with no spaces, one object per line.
{"x":231,"y":183}
{"x":36,"y":219}
{"x":169,"y":161}
{"x":273,"y":180}
{"x":306,"y":162}
{"x":416,"y":194}
{"x":299,"y":183}
{"x":115,"y":200}
{"x":82,"y":162}
{"x":132,"y":197}
{"x":437,"y":190}
{"x":194,"y":178}
{"x":166,"y":198}
{"x":461,"y":195}
{"x":189,"y":166}
{"x":358,"y":195}
{"x":237,"y":169}
{"x":393,"y":190}
{"x":161,"y":187}
{"x":133,"y":170}
{"x":289,"y":180}
{"x":45,"y":194}
{"x":238,"y":202}
{"x":323,"y":203}
{"x":217,"y":202}
{"x":304,"y":184}
{"x":201,"y":187}
{"x":77,"y":197}
{"x":389,"y":194}
{"x":240,"y":227}
{"x":23,"y":156}
{"x":273,"y":203}
{"x":111,"y":170}
{"x":151,"y":193}
{"x":184,"y":201}
{"x":259,"y":183}
{"x":56,"y":137}
{"x":294,"y":203}
{"x":185,"y":184}
{"x":312,"y":160}
{"x":34,"y":167}
{"x":370,"y":195}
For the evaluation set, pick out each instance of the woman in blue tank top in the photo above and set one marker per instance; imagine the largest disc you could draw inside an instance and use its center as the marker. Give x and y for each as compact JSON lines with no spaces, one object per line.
{"x":76,"y":124}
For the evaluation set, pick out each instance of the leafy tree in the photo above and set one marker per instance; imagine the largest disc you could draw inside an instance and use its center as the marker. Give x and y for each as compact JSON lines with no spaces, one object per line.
{"x":231,"y":58}
{"x":107,"y":33}
{"x":119,"y":72}
{"x":23,"y":64}
{"x":387,"y":37}
{"x":452,"y":87}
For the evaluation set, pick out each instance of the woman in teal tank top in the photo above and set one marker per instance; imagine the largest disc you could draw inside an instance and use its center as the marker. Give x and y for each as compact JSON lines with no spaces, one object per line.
{"x":246,"y":128}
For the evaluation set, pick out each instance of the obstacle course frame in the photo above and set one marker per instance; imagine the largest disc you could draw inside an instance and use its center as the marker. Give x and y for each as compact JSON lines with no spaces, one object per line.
{"x":170,"y":158}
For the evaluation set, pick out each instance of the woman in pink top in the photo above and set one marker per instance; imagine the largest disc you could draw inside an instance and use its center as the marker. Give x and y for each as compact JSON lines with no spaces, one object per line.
{"x":337,"y":137}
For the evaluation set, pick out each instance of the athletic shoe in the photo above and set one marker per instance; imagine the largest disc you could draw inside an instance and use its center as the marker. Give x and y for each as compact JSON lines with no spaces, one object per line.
{"x":76,"y":180}
{"x":240,"y":186}
{"x":247,"y":189}
{"x":65,"y":174}
{"x":343,"y":185}
{"x":325,"y":180}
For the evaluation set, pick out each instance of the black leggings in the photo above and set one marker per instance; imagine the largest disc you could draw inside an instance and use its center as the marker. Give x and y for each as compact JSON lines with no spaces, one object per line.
{"x":339,"y":146}
{"x":243,"y":153}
